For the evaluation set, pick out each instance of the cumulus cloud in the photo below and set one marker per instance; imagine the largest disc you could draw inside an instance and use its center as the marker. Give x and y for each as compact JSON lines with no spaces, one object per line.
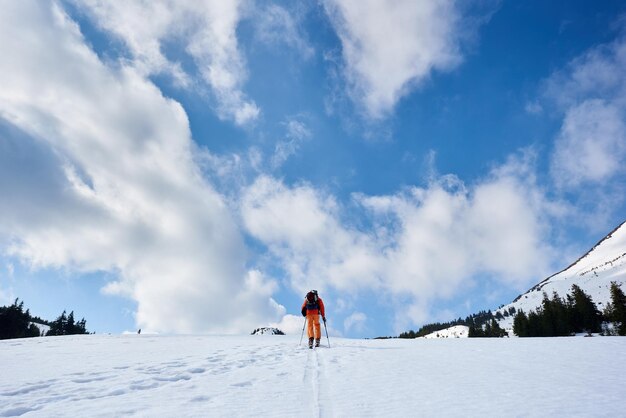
{"x":205,"y":30}
{"x":591,"y":93}
{"x":102,"y":178}
{"x":589,"y":153}
{"x":424,"y":244}
{"x":302,"y":227}
{"x":355,"y":322}
{"x":290,"y":324}
{"x":596,"y":74}
{"x":390,"y":47}
{"x":276,"y":26}
{"x":591,"y":147}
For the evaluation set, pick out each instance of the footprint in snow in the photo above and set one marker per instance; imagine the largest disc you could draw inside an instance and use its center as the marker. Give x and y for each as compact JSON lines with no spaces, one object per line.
{"x":16,"y":412}
{"x":142,"y":386}
{"x":242,"y":384}
{"x":91,"y":379}
{"x":116,"y":392}
{"x":172,"y":378}
{"x":27,"y":389}
{"x":200,"y":399}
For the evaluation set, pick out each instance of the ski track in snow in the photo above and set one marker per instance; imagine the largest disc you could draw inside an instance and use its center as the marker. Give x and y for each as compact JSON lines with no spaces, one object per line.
{"x":273,"y":376}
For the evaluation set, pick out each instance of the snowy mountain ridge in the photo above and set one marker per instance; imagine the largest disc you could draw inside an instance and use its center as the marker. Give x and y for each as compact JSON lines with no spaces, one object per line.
{"x":593,"y":273}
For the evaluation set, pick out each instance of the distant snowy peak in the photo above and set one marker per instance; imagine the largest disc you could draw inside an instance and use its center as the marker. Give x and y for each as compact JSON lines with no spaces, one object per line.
{"x":593,"y":273}
{"x":267,"y":331}
{"x":457,"y":331}
{"x":607,"y":255}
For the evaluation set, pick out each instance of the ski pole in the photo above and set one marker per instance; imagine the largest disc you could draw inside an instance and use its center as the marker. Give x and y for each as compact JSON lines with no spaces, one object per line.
{"x":326,"y":333}
{"x":302,"y":331}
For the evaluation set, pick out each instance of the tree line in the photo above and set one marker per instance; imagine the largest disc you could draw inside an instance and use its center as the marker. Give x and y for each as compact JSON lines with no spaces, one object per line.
{"x":576,"y":313}
{"x":15,"y":322}
{"x":481,"y":324}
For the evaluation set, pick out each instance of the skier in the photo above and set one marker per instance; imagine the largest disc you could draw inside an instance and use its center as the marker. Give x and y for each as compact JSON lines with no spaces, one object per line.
{"x":312,"y":308}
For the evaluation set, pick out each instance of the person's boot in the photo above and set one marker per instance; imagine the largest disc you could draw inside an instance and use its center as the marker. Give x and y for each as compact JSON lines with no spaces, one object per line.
{"x":311,"y":342}
{"x":317,"y":342}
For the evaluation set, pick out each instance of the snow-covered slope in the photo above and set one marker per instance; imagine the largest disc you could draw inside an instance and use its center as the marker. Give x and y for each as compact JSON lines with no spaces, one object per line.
{"x":457,"y":331}
{"x":248,"y":376}
{"x":593,"y":272}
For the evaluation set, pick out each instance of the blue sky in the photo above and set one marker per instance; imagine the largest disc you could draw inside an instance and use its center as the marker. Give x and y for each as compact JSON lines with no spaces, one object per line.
{"x":195,"y":167}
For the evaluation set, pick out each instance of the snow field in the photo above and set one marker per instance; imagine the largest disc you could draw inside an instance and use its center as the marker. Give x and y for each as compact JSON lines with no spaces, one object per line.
{"x":271,"y":376}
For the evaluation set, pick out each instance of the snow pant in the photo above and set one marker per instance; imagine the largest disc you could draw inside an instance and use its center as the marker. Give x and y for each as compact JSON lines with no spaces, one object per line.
{"x":313,"y":326}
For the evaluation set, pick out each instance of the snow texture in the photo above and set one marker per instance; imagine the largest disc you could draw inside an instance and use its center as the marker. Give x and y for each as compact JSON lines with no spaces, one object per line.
{"x":136,"y":375}
{"x":593,"y":273}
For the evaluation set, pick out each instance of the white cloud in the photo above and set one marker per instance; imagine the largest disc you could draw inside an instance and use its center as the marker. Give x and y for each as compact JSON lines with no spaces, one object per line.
{"x":104,"y":179}
{"x":591,"y":147}
{"x":596,"y":74}
{"x":591,"y":93}
{"x":425,"y":244}
{"x":589,"y":155}
{"x":290,"y":324}
{"x":355,"y":322}
{"x":391,"y":47}
{"x":277,"y":26}
{"x":205,"y":30}
{"x":302,"y":228}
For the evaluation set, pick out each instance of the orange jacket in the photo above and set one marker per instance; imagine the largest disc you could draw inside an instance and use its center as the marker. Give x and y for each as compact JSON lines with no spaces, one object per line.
{"x":320,"y":311}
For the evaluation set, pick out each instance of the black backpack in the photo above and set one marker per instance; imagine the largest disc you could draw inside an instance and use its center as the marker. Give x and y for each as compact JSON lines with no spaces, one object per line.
{"x":311,"y":297}
{"x":311,"y":302}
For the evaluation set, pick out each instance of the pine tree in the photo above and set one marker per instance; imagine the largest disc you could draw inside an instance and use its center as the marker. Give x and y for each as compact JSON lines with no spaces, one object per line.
{"x":561,"y":316}
{"x":547,"y":318}
{"x":487,"y":330}
{"x":520,"y":324}
{"x":585,"y":311}
{"x":534,"y":324}
{"x":81,"y":327}
{"x":617,"y":308}
{"x":496,"y":330}
{"x":70,"y":325}
{"x":58,"y":326}
{"x":15,"y":322}
{"x":11,"y":324}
